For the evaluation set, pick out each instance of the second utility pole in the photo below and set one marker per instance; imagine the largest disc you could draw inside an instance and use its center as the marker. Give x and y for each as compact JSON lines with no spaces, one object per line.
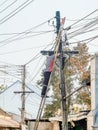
{"x":23,"y":98}
{"x":62,"y":78}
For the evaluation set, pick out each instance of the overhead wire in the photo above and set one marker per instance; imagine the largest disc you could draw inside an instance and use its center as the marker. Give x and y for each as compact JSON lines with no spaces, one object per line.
{"x":26,"y":37}
{"x":8,"y":6}
{"x":85,"y":40}
{"x":79,"y":19}
{"x":20,"y":80}
{"x":13,"y":75}
{"x":83,"y":18}
{"x":26,"y":32}
{"x":34,"y":57}
{"x":17,"y":51}
{"x":8,"y":63}
{"x":92,"y":40}
{"x":3,"y":2}
{"x":14,"y":33}
{"x":83,"y":29}
{"x":31,"y":36}
{"x":40,"y":68}
{"x":91,"y":30}
{"x":14,"y":12}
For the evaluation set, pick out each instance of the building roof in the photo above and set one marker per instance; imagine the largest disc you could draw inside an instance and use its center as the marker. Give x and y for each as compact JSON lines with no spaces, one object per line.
{"x":74,"y":117}
{"x":5,"y":122}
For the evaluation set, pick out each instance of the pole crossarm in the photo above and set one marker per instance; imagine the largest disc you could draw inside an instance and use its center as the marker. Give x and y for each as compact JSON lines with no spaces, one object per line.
{"x":44,"y":52}
{"x":24,"y":92}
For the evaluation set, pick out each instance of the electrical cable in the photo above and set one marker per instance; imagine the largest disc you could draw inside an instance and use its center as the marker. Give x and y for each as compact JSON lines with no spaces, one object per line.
{"x":8,"y":6}
{"x":14,"y":33}
{"x":17,"y":10}
{"x":79,"y":19}
{"x":38,"y":69}
{"x":84,"y":28}
{"x":84,"y":40}
{"x":3,"y":2}
{"x":26,"y":37}
{"x":17,"y":51}
{"x":22,"y":38}
{"x":83,"y":18}
{"x":37,"y":72}
{"x":34,"y":57}
{"x":10,"y":74}
{"x":24,"y":32}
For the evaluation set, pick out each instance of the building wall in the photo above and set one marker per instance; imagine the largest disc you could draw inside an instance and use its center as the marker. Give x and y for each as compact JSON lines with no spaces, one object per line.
{"x":93,"y":78}
{"x":90,"y":121}
{"x":94,"y":83}
{"x":42,"y":125}
{"x":56,"y":125}
{"x":94,"y":93}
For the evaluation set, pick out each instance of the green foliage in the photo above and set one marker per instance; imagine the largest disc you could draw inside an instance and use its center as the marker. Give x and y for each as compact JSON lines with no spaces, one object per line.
{"x":52,"y":108}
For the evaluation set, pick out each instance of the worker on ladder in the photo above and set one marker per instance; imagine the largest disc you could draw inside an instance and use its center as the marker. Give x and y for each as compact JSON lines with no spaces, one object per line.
{"x":47,"y":72}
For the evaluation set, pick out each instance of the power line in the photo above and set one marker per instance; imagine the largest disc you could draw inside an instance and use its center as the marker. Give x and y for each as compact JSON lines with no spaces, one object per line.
{"x":17,"y":51}
{"x":23,"y":33}
{"x":26,"y":37}
{"x":79,"y":19}
{"x":84,"y":40}
{"x":13,"y":75}
{"x":14,"y":33}
{"x":3,"y":2}
{"x":14,"y":12}
{"x":83,"y":18}
{"x":84,"y":28}
{"x":8,"y":6}
{"x":34,"y":57}
{"x":37,"y":71}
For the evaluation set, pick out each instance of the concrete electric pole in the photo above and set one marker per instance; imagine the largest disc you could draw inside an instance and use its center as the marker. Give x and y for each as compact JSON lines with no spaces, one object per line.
{"x":62,"y":78}
{"x":23,"y":97}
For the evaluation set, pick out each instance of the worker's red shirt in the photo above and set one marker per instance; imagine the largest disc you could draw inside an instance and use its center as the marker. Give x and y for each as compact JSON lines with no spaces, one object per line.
{"x":51,"y":65}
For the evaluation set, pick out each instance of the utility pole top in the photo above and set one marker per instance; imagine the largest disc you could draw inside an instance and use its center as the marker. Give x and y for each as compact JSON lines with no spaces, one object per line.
{"x":57,"y":21}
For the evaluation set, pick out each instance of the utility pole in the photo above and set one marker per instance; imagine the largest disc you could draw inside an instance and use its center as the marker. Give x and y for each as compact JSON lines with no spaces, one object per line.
{"x":23,"y":97}
{"x":23,"y":93}
{"x":62,"y":78}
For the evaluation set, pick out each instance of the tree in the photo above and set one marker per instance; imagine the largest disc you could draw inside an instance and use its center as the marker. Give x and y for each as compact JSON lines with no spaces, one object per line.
{"x":81,"y":67}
